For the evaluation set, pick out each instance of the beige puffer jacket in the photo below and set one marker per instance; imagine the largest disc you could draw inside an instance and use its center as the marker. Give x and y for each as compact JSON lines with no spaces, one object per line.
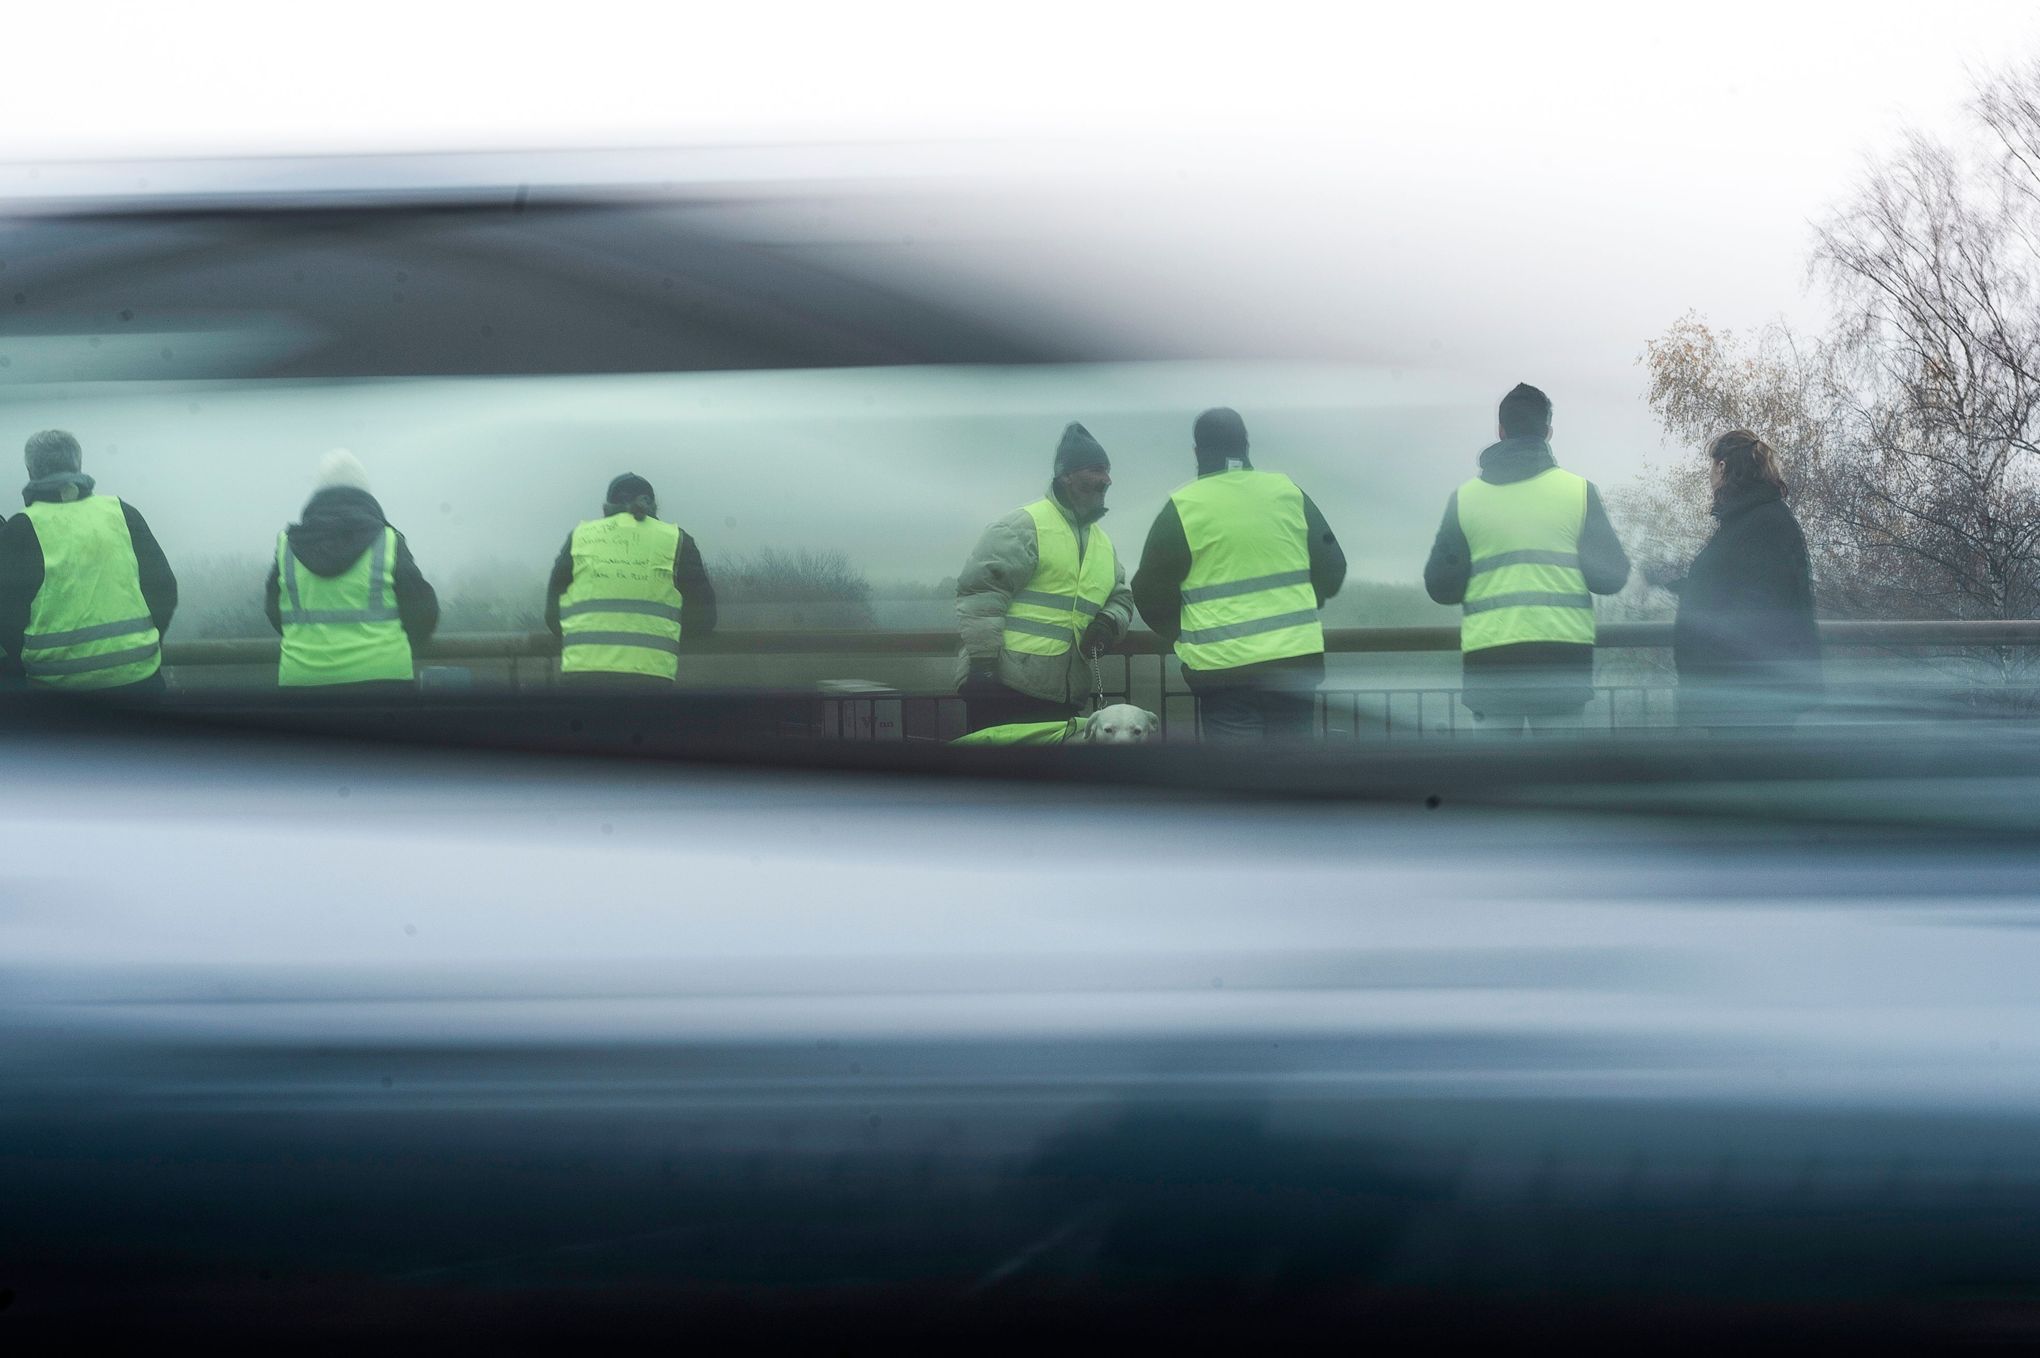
{"x":999,"y":567}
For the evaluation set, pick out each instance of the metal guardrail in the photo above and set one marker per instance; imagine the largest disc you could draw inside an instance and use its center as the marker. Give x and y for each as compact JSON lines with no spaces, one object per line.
{"x":1963,"y":634}
{"x":850,"y":711}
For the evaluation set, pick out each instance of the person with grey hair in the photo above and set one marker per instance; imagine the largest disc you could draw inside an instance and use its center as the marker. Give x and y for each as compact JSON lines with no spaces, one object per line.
{"x":344,"y":591}
{"x":85,"y":591}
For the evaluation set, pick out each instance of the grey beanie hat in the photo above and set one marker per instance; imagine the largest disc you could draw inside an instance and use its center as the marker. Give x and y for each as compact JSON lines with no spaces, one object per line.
{"x":1079,"y":450}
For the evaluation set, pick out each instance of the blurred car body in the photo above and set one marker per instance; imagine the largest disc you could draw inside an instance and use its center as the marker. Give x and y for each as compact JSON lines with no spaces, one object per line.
{"x":528,"y":1020}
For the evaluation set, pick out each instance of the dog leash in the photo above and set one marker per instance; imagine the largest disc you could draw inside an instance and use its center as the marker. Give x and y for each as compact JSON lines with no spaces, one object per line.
{"x":1097,"y":679}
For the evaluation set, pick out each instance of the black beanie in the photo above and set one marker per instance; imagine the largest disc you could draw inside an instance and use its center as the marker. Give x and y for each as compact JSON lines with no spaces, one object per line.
{"x":1079,"y":450}
{"x":1525,"y":412}
{"x":632,"y":492}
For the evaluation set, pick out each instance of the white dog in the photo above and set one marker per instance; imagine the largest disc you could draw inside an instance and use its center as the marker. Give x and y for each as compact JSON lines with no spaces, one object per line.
{"x":1119,"y":724}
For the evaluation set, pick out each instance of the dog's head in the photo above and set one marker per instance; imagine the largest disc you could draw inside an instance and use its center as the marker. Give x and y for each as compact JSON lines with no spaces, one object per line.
{"x":1120,"y":724}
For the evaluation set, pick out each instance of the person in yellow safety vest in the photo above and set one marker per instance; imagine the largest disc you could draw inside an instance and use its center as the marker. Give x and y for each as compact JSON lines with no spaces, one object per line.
{"x":1041,"y":595}
{"x":1235,"y":569}
{"x":344,"y":592}
{"x":1523,"y":549}
{"x":85,"y":592}
{"x":626,"y":590}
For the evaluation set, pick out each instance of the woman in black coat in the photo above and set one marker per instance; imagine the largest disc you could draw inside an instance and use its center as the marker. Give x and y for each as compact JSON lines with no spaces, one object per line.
{"x":1745,"y":644}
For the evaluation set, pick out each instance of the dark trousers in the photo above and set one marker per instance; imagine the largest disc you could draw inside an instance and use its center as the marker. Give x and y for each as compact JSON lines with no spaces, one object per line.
{"x":616,"y":680}
{"x":1002,"y":706}
{"x":1244,"y":712}
{"x":141,"y":691}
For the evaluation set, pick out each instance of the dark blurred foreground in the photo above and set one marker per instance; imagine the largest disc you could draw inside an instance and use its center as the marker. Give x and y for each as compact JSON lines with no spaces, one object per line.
{"x":453,"y":1035}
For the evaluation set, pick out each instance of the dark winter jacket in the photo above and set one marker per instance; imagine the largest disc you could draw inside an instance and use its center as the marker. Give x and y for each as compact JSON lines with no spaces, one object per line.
{"x":1745,"y":642}
{"x":690,"y":577}
{"x":21,"y":563}
{"x":341,"y":523}
{"x":1554,"y":675}
{"x":1165,"y":565}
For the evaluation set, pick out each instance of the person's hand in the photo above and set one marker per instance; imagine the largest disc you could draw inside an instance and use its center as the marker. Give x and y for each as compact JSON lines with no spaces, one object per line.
{"x":1098,"y":637}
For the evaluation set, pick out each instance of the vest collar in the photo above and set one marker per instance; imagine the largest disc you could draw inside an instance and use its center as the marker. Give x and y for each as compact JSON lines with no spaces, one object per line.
{"x":1064,"y":510}
{"x":1515,"y":459}
{"x":61,"y":488}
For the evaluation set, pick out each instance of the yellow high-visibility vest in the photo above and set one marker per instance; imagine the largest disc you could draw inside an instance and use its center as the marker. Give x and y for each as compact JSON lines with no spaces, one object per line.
{"x":621,"y":613}
{"x":88,"y":626}
{"x":1248,"y":596}
{"x":1066,"y":591}
{"x":341,"y":629}
{"x":1524,"y":539}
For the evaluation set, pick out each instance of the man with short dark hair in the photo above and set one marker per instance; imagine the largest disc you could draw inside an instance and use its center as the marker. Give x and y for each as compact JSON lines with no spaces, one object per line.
{"x":625,"y":591}
{"x":85,"y":592}
{"x":1523,"y":549}
{"x":1041,"y":596}
{"x":1235,"y":569}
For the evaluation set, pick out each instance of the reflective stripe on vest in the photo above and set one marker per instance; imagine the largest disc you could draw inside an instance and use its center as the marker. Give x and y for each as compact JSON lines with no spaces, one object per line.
{"x":1248,"y":596}
{"x":1066,"y":591}
{"x":1022,"y":733}
{"x":341,"y":629}
{"x":621,"y":612}
{"x":88,"y":626}
{"x":1524,"y":540}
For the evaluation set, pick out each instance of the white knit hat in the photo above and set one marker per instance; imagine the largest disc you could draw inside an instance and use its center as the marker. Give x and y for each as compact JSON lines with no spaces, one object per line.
{"x":341,"y":468}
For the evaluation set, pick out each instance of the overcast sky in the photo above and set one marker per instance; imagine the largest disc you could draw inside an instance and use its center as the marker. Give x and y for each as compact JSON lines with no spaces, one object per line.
{"x":1449,"y":200}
